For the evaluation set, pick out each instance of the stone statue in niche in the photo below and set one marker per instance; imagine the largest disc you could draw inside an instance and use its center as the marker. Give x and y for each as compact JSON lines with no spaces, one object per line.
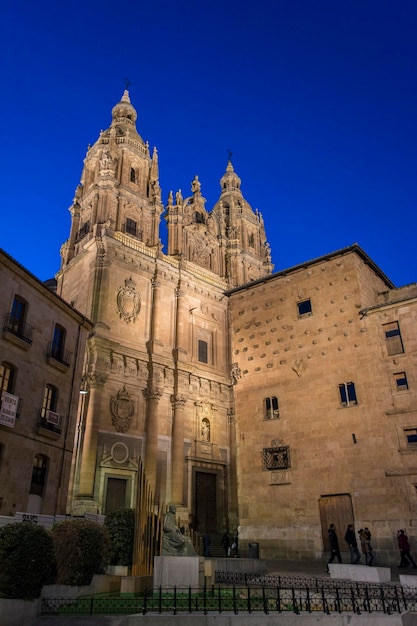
{"x":205,"y":430}
{"x":174,"y":541}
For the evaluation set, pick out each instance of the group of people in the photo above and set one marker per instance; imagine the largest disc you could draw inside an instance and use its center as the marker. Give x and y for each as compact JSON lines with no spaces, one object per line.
{"x":350,"y":538}
{"x":365,"y":541}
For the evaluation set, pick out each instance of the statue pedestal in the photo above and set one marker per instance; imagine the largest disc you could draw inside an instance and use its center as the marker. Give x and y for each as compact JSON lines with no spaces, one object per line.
{"x":178,"y":571}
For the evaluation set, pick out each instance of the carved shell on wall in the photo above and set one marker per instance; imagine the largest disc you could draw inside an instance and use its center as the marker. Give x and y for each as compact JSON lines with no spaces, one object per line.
{"x":128,"y":301}
{"x":122,"y":409}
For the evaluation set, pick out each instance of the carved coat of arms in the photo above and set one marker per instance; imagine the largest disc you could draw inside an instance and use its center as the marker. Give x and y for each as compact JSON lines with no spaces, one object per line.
{"x":122,"y":409}
{"x":128,"y":301}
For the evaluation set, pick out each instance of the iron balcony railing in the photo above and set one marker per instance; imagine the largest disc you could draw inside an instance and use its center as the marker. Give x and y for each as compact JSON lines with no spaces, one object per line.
{"x":20,"y":329}
{"x":59,"y":354}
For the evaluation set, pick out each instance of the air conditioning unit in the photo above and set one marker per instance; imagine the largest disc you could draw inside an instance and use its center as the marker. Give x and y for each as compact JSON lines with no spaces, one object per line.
{"x":53,"y":418}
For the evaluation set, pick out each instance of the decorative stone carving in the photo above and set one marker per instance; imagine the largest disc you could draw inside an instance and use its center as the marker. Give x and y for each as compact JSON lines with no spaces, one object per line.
{"x":122,"y":409}
{"x":128,"y":301}
{"x":235,"y":373}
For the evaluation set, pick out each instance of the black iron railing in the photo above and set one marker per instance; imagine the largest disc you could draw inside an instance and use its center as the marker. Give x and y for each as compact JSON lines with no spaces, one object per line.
{"x":313,"y":596}
{"x":59,"y":354}
{"x":18,"y":328}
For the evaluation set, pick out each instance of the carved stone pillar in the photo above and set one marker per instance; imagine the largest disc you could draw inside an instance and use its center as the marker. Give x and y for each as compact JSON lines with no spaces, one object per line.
{"x":177,"y":450}
{"x":90,"y":439}
{"x":151,"y":448}
{"x":181,"y":326}
{"x":155,"y":340}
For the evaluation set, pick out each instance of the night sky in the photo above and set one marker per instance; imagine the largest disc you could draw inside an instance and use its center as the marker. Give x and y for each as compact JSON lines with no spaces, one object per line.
{"x":317,"y":100}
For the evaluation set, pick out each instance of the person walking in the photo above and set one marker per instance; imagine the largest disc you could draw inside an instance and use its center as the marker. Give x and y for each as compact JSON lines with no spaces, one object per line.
{"x":405,"y":549}
{"x":365,"y":539}
{"x":350,"y":539}
{"x":334,"y":546}
{"x":226,"y":544}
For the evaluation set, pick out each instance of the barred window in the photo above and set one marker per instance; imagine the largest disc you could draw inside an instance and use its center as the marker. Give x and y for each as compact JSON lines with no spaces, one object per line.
{"x":131,"y":226}
{"x":202,"y":351}
{"x":276,"y":458}
{"x":304,"y":308}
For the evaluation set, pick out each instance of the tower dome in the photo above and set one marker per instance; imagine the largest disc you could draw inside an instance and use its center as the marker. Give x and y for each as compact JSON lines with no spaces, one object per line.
{"x":230,"y":181}
{"x":124,"y":111}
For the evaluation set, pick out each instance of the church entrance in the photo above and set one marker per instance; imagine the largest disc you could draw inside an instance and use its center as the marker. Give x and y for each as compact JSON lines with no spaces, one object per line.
{"x":205,"y":499}
{"x":336,"y":509}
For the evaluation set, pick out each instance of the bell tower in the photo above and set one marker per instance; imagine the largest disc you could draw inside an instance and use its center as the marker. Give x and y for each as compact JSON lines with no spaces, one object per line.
{"x":119,"y":189}
{"x":242,"y":232}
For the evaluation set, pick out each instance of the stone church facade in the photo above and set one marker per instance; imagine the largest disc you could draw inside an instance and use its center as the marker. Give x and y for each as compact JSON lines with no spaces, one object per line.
{"x":269,"y":402}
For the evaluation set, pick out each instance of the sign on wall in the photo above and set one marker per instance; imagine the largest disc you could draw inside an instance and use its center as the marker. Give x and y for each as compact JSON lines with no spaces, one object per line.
{"x":8,"y":409}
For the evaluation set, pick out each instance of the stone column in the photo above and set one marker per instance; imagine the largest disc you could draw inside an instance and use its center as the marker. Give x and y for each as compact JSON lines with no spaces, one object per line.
{"x":87,"y":467}
{"x":177,"y":450}
{"x":151,"y":447}
{"x":181,"y":325}
{"x":155,"y":340}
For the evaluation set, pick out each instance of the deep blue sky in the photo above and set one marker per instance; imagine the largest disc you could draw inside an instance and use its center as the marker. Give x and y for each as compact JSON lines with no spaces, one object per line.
{"x":316,"y":99}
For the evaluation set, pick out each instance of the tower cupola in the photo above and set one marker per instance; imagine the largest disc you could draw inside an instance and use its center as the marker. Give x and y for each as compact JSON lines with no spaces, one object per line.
{"x":124,"y":111}
{"x":230,"y":181}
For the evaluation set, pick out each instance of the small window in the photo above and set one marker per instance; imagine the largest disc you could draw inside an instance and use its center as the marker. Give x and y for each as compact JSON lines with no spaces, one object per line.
{"x":411,"y":434}
{"x":133,"y":178}
{"x":348,"y":394}
{"x":40,"y":466}
{"x":18,"y":315}
{"x":401,"y":383}
{"x":49,"y":400}
{"x":202,"y":351}
{"x":131,"y":226}
{"x":7,"y":377}
{"x":393,"y":338}
{"x":15,"y":321}
{"x":58,"y":343}
{"x":304,"y":308}
{"x":271,"y":408}
{"x":276,"y":458}
{"x":251,"y":241}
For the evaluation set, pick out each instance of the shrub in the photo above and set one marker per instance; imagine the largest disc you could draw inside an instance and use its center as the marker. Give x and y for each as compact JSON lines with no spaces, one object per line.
{"x":121,"y":527}
{"x":27,"y":560}
{"x":82,"y":549}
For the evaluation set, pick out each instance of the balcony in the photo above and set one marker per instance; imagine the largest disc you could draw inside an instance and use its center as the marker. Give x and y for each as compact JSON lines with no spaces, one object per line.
{"x":17,"y":328}
{"x":49,"y":424}
{"x":58,"y":355}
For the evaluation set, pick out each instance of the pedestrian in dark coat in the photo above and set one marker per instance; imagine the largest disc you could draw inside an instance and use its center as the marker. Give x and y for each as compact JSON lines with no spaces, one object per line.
{"x":350,"y":538}
{"x":334,"y":546}
{"x":404,"y":547}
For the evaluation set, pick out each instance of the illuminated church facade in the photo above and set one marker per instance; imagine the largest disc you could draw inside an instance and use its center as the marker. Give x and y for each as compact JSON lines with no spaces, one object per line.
{"x":275,"y":403}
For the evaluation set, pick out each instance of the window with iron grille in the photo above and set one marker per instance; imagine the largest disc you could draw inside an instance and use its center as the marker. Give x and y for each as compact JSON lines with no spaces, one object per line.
{"x":401,"y":382}
{"x":393,"y":339}
{"x":131,"y":226}
{"x":202,"y":351}
{"x":271,"y":408}
{"x":348,"y":394}
{"x":276,"y":458}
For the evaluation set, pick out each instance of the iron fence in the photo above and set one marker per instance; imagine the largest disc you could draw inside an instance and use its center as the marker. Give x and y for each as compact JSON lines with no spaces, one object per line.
{"x":296,"y":595}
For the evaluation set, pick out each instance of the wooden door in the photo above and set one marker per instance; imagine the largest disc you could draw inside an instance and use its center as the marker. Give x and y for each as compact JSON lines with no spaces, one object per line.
{"x":336,"y":509}
{"x":206,"y":501}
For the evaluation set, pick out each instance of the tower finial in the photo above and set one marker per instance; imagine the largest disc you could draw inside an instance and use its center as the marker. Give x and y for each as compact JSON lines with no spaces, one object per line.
{"x":229,"y":154}
{"x":127,"y":82}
